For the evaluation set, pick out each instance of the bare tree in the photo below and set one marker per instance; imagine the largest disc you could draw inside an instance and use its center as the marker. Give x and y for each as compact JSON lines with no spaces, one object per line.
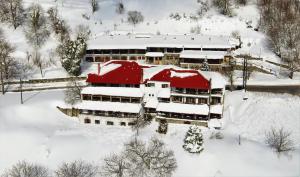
{"x":224,"y":6}
{"x":72,"y":94}
{"x":141,"y":159}
{"x":280,"y":20}
{"x":7,"y":62}
{"x":241,"y":2}
{"x":77,"y":169}
{"x":60,"y":27}
{"x":36,"y":28}
{"x":120,"y":8}
{"x":135,"y":17}
{"x":25,"y":169}
{"x":94,"y":5}
{"x":151,"y":160}
{"x":115,"y":165}
{"x":12,"y":12}
{"x":279,"y":139}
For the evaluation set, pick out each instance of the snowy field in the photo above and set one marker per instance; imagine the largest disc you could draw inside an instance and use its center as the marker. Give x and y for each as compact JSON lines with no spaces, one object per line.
{"x":38,"y":132}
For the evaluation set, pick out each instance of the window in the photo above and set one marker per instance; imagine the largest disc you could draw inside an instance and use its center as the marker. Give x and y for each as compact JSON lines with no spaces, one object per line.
{"x":87,"y":121}
{"x":150,"y":85}
{"x":97,"y":121}
{"x":135,"y":100}
{"x":177,"y":99}
{"x":131,"y":123}
{"x":164,"y":86}
{"x":123,"y":123}
{"x":202,"y":101}
{"x":89,"y":59}
{"x":190,"y":100}
{"x":109,"y":123}
{"x":86,"y":97}
{"x":116,"y":99}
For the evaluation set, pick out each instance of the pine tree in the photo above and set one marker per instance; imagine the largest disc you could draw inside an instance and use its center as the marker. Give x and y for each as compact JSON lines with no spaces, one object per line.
{"x":205,"y":66}
{"x":193,"y":141}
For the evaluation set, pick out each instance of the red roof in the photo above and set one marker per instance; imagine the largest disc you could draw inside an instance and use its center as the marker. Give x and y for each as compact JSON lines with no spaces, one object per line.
{"x":128,"y":73}
{"x":194,"y":81}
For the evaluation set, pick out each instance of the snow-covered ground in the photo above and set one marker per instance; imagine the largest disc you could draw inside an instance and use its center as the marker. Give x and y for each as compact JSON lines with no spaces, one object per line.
{"x":39,"y":132}
{"x":156,"y":20}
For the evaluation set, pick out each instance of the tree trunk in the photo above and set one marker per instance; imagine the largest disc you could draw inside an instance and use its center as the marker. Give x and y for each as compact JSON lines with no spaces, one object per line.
{"x":2,"y":82}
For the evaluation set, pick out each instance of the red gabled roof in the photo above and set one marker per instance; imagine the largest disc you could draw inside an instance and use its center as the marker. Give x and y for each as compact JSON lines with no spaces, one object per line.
{"x":128,"y":73}
{"x":194,"y":81}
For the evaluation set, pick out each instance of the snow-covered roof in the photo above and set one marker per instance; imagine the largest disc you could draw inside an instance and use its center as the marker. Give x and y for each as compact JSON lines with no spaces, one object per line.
{"x":198,"y":54}
{"x":217,"y":79}
{"x":151,"y":103}
{"x":214,"y":123}
{"x":114,"y":91}
{"x":154,"y":54}
{"x":182,"y":74}
{"x":183,"y":108}
{"x":216,"y":109}
{"x":109,"y":106}
{"x":176,"y":41}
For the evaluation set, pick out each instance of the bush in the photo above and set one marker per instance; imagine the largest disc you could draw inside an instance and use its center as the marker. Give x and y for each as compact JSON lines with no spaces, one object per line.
{"x":77,"y":169}
{"x":193,"y":141}
{"x":279,"y":139}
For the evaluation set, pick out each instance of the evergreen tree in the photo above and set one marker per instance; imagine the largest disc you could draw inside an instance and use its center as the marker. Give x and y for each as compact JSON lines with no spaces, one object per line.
{"x":193,"y":141}
{"x":205,"y":66}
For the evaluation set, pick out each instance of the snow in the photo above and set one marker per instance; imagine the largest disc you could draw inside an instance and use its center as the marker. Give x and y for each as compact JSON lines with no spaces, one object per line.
{"x":180,"y":41}
{"x":151,"y":103}
{"x":217,"y":79}
{"x":164,"y":93}
{"x":36,"y":131}
{"x":114,"y":91}
{"x":182,"y":74}
{"x":216,"y":109}
{"x":154,"y":54}
{"x":107,"y":68}
{"x":198,"y":54}
{"x":109,"y":106}
{"x":183,"y":108}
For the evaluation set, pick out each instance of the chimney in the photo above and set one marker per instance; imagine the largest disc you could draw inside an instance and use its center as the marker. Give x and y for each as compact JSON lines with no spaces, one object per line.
{"x":99,"y":69}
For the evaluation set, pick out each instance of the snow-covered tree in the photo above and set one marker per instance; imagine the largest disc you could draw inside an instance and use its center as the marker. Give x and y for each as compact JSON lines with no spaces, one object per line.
{"x":36,"y":28}
{"x":115,"y":166}
{"x":193,"y":141}
{"x":94,"y":5}
{"x":77,"y":169}
{"x":135,"y":17}
{"x":205,"y":66}
{"x":163,"y":127}
{"x":26,"y":169}
{"x":204,"y":7}
{"x":12,"y":12}
{"x":279,"y":139}
{"x":72,"y":51}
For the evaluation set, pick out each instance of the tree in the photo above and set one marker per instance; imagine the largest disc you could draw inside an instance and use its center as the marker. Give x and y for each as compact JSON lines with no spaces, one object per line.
{"x":7,"y":61}
{"x":163,"y":127}
{"x":94,"y":5}
{"x":143,"y":160}
{"x":77,"y":169}
{"x":280,"y":21}
{"x":115,"y":165}
{"x":12,"y":12}
{"x":59,"y":26}
{"x":135,"y":17}
{"x":205,"y":66}
{"x":120,"y":8}
{"x":241,"y":2}
{"x":204,"y":7}
{"x":36,"y":28}
{"x":25,"y":169}
{"x":224,"y":6}
{"x":72,"y":94}
{"x":279,"y":139}
{"x":72,"y":51}
{"x":193,"y":141}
